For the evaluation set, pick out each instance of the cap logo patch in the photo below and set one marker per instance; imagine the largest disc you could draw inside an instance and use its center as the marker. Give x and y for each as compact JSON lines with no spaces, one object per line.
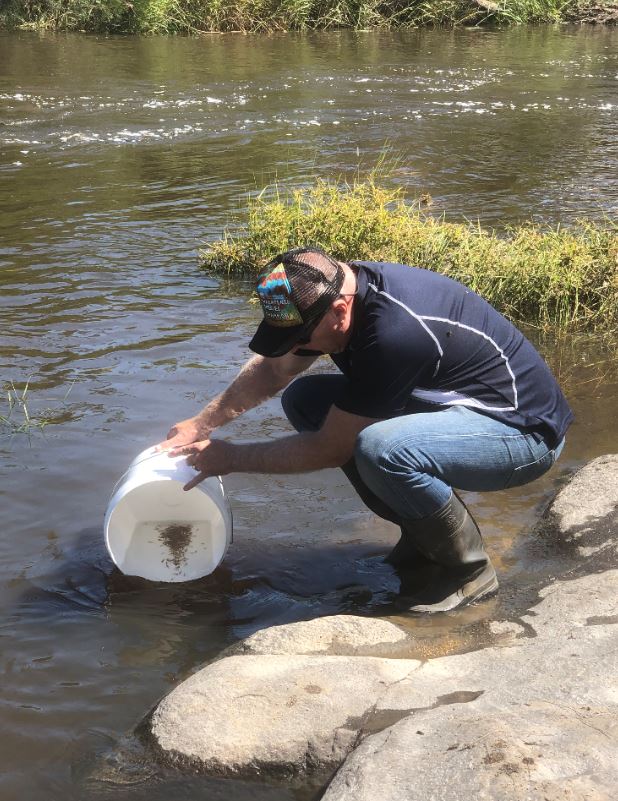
{"x":275,"y":294}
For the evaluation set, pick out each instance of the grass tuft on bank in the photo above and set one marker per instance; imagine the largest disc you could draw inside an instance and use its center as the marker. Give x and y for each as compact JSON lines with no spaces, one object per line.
{"x":540,"y":276}
{"x":267,"y":16}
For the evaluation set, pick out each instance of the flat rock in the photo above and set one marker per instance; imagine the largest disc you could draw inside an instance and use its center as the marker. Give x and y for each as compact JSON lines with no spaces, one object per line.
{"x":292,"y":715}
{"x":532,"y":751}
{"x":336,"y":635}
{"x":285,"y":714}
{"x":537,"y":719}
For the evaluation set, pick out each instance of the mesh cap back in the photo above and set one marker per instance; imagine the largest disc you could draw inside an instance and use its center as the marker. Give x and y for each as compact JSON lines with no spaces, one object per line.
{"x":312,"y":275}
{"x":295,"y":289}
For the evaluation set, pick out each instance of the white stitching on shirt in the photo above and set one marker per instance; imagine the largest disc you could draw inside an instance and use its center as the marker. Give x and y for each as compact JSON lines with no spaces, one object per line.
{"x":496,"y":346}
{"x":462,"y":400}
{"x":416,"y":317}
{"x":429,"y":396}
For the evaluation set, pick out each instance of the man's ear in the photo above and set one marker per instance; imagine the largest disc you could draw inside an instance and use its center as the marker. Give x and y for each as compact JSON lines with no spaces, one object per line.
{"x":339,"y":307}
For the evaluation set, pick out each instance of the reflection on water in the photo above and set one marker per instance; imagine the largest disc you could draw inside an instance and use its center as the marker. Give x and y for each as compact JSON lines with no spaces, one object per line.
{"x":118,"y":157}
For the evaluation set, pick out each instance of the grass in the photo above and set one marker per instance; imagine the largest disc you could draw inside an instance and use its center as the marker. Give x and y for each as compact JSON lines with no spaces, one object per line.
{"x":196,"y":16}
{"x":542,"y":276}
{"x":583,"y":364}
{"x":19,"y":417}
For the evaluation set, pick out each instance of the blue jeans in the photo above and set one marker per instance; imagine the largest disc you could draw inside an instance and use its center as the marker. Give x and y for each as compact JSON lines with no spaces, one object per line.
{"x":405,"y":468}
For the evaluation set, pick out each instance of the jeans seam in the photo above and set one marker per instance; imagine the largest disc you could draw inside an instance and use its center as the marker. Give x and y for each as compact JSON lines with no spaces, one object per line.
{"x":404,"y":442}
{"x":536,"y":461}
{"x":517,"y":471}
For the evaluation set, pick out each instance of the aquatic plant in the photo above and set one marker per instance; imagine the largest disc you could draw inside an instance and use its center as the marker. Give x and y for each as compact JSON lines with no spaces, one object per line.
{"x":195,"y":16}
{"x":18,"y":416}
{"x":544,"y":276}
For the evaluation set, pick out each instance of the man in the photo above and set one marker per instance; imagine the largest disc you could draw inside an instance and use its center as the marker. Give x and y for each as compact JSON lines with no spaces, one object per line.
{"x":437,"y":390}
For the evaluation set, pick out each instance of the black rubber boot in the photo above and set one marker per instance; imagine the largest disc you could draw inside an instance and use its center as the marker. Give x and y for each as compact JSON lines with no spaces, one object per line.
{"x":451,"y":540}
{"x":405,"y":556}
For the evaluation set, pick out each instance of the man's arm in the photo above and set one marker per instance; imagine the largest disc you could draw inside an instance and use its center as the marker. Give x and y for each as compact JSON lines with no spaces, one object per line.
{"x":331,"y":446}
{"x":259,"y":379}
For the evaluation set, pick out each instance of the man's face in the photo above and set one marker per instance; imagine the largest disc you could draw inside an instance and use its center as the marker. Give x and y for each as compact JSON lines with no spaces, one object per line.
{"x":332,"y":333}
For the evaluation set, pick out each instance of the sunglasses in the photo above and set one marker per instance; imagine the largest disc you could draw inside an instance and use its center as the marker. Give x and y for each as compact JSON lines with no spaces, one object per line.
{"x":306,"y":338}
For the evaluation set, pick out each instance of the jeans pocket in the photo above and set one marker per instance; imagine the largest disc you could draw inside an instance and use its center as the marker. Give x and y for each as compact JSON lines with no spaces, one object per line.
{"x":531,"y":471}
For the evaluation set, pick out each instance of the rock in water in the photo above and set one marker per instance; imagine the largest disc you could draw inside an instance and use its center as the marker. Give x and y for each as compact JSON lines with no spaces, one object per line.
{"x":340,"y":635}
{"x":584,"y":514}
{"x":288,"y":715}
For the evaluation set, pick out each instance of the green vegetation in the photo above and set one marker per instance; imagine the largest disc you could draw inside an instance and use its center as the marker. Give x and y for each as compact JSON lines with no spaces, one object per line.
{"x":540,"y":276}
{"x":195,"y":16}
{"x":19,"y":418}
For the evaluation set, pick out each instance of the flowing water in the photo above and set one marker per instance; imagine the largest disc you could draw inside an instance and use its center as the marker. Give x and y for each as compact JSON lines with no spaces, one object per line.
{"x":118,"y":158}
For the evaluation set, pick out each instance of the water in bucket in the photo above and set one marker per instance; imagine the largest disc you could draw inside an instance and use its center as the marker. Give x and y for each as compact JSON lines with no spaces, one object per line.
{"x":156,"y":530}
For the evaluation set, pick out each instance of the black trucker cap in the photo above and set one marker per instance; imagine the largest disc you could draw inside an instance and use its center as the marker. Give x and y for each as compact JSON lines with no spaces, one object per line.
{"x":295,"y":289}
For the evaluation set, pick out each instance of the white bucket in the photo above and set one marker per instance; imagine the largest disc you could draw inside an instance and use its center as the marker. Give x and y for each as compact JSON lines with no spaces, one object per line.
{"x":156,"y":530}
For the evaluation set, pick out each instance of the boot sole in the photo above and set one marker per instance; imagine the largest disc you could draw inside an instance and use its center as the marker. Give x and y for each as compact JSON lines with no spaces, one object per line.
{"x":479,"y":588}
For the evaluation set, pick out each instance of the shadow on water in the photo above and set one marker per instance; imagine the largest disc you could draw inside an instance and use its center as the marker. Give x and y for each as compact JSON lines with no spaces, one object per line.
{"x":186,"y":624}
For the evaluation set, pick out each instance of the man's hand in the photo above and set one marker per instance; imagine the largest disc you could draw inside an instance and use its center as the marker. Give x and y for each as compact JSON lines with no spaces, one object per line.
{"x":211,"y":457}
{"x":185,"y":432}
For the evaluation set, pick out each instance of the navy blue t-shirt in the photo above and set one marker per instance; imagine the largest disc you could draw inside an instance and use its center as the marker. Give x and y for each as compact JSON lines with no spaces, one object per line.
{"x":421,"y":335}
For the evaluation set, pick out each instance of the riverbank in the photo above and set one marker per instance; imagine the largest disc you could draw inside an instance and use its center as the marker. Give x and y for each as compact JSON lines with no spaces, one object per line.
{"x":190,"y":17}
{"x":530,"y":712}
{"x":542,"y":276}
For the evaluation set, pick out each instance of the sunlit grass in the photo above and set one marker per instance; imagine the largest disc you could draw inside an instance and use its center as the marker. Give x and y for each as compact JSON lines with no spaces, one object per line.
{"x":267,"y":16}
{"x":17,"y":415}
{"x":544,"y":276}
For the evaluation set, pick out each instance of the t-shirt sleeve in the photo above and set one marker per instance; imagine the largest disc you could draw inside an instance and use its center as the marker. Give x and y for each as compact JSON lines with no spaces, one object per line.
{"x":389,"y":359}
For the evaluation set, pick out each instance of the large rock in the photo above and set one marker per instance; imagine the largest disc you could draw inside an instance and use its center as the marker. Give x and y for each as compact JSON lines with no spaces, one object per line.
{"x":285,"y":714}
{"x":538,"y":719}
{"x":584,"y":514}
{"x":532,"y":751}
{"x":341,"y":635}
{"x":532,"y":717}
{"x":298,"y":714}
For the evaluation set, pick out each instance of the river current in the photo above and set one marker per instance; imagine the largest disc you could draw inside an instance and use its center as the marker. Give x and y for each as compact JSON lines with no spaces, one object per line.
{"x":119,"y":157}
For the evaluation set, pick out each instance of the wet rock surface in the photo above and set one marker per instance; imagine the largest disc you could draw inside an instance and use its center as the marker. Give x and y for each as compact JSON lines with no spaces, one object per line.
{"x":339,"y":635}
{"x":532,"y":715}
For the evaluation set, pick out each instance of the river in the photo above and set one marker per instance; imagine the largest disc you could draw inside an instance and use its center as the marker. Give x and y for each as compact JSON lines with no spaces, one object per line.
{"x":119,"y":157}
